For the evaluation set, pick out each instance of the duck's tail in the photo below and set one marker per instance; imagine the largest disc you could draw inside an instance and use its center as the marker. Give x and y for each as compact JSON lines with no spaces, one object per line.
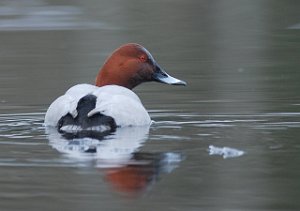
{"x":83,"y":123}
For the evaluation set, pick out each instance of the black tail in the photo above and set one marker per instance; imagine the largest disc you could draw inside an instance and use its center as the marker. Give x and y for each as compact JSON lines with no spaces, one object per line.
{"x":82,"y":123}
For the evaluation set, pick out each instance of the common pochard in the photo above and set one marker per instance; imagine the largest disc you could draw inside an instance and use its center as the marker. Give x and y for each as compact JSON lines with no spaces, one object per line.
{"x":110,"y":103}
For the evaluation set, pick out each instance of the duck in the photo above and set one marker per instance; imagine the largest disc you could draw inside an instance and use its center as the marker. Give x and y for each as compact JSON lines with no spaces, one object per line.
{"x":109,"y":103}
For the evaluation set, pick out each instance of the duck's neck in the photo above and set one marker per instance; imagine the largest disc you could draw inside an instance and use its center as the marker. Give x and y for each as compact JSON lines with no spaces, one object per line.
{"x":106,"y":77}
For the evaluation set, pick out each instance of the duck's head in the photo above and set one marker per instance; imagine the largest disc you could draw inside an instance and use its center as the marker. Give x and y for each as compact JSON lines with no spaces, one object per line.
{"x":130,"y":65}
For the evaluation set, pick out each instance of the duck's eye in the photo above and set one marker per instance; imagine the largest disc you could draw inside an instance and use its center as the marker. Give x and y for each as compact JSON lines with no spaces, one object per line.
{"x":143,"y":58}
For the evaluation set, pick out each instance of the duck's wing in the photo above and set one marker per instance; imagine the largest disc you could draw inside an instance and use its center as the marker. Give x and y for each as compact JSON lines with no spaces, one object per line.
{"x":67,"y":103}
{"x":123,"y":105}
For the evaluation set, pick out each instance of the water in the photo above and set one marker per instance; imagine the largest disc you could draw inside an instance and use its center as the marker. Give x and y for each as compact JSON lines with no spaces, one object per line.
{"x":227,"y":141}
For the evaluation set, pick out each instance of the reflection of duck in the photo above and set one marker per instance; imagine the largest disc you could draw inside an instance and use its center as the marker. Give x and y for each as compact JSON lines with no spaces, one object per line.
{"x":116,"y":147}
{"x":116,"y":154}
{"x":143,"y":171}
{"x":110,"y":103}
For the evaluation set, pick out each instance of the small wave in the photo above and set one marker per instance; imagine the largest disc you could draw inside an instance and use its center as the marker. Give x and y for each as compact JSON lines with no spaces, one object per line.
{"x":295,"y":26}
{"x":21,"y":126}
{"x":39,"y":16}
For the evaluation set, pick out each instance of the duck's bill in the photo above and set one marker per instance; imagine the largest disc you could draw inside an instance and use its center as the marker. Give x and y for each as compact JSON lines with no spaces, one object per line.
{"x":163,"y":77}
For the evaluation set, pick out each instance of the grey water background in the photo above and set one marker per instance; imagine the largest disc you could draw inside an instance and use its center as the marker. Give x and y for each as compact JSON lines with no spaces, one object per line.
{"x":241,"y":62}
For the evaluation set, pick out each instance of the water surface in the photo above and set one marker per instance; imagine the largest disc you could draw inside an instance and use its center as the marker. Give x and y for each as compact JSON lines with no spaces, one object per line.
{"x":240,"y":60}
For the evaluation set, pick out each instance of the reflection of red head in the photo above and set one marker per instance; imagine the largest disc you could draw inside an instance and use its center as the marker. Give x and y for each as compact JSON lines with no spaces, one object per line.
{"x":131,"y":178}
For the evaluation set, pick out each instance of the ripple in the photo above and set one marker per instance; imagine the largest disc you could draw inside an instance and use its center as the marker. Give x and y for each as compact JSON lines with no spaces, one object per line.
{"x":279,"y":120}
{"x":295,"y":26}
{"x":20,"y":143}
{"x":22,"y":126}
{"x":40,"y":16}
{"x":30,"y":125}
{"x":169,"y":137}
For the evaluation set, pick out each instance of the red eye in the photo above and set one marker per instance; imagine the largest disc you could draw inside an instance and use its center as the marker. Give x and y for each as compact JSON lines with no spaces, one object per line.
{"x":143,"y":58}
